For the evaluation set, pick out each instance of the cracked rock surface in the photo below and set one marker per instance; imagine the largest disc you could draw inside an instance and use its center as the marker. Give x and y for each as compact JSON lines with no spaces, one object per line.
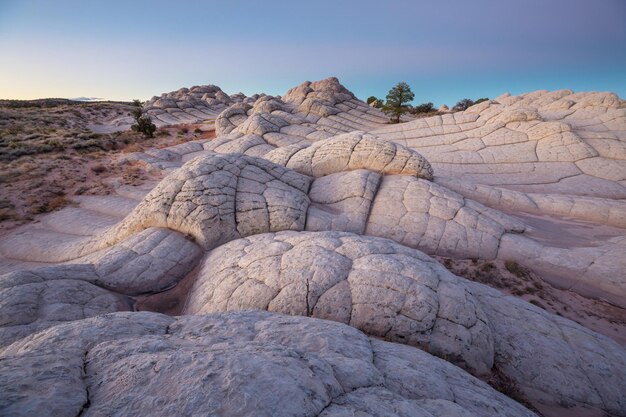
{"x":232,"y":364}
{"x":217,"y":198}
{"x":402,"y":295}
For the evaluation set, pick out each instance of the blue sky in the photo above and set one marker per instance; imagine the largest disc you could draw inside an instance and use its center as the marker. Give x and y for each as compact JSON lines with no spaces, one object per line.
{"x":445,"y":50}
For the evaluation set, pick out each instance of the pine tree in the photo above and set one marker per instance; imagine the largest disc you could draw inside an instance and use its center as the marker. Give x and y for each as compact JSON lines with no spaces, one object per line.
{"x":398,"y":101}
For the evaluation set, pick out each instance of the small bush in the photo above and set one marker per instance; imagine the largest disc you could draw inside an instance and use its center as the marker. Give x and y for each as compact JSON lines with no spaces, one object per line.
{"x":143,"y":122}
{"x":183,"y":131}
{"x":487,"y":267}
{"x":514,"y":268}
{"x":7,"y":210}
{"x":91,"y":143}
{"x":98,"y":169}
{"x":463,"y":104}
{"x":423,"y":108}
{"x":197,"y":130}
{"x":133,"y":147}
{"x":52,"y":205}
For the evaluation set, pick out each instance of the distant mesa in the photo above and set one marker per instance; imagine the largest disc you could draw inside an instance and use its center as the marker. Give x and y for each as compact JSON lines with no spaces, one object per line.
{"x":88,"y":99}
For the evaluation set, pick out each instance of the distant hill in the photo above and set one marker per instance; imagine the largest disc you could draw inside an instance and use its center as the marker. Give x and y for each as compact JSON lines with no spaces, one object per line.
{"x":89,"y":99}
{"x":53,"y":102}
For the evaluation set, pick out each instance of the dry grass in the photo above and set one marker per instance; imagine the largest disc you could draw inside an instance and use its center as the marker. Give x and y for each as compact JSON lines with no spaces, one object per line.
{"x":134,"y":174}
{"x":512,"y":278}
{"x":53,"y":204}
{"x":48,"y":151}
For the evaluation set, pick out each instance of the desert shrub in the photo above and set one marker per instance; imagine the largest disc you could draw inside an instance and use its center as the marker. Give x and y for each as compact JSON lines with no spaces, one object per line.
{"x":143,"y":122}
{"x":197,"y":130}
{"x":133,"y":147}
{"x":466,"y":103}
{"x":487,"y":267}
{"x":423,"y":108}
{"x":463,"y":104}
{"x":514,"y":268}
{"x":98,"y":169}
{"x":87,"y":144}
{"x":55,"y":143}
{"x":378,"y":103}
{"x":7,"y":210}
{"x":54,"y":204}
{"x":133,"y":175}
{"x":183,"y":131}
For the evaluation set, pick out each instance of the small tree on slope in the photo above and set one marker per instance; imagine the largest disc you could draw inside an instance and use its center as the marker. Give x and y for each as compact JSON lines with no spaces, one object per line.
{"x":143,"y":122}
{"x":398,"y":101}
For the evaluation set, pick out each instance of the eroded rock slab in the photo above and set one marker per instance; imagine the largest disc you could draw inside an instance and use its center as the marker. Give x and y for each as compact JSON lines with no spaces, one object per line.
{"x":231,"y":364}
{"x":390,"y":291}
{"x":217,"y":198}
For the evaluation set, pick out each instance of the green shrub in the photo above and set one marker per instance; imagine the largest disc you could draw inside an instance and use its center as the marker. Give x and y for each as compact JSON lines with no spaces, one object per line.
{"x":463,"y":104}
{"x":423,"y":108}
{"x":143,"y":122}
{"x":514,"y":268}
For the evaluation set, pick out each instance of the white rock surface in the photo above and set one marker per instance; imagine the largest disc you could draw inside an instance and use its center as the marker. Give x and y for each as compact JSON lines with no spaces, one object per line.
{"x":550,"y":146}
{"x":244,"y":364}
{"x":390,"y":291}
{"x":218,"y":198}
{"x":191,"y":105}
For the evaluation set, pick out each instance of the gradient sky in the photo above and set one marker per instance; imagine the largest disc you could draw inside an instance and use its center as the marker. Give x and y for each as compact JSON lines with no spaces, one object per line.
{"x":445,"y":50}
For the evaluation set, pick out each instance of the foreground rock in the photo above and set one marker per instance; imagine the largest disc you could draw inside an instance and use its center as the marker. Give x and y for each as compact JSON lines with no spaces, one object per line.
{"x":138,"y":364}
{"x":399,"y":294}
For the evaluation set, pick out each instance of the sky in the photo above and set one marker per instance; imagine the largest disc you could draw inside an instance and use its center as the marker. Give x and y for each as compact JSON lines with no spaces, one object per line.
{"x":446,"y":50}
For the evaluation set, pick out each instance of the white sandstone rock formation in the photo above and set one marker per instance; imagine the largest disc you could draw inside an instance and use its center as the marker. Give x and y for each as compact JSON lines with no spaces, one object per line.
{"x":317,"y":159}
{"x":390,"y":291}
{"x":191,"y":105}
{"x":243,"y":364}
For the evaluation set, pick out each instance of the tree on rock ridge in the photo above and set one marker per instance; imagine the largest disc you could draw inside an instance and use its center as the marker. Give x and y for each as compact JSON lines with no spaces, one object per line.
{"x":398,"y":101}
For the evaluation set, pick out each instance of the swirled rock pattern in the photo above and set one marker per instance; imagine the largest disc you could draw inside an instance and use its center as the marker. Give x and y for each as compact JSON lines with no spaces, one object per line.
{"x":556,"y":144}
{"x":232,"y":364}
